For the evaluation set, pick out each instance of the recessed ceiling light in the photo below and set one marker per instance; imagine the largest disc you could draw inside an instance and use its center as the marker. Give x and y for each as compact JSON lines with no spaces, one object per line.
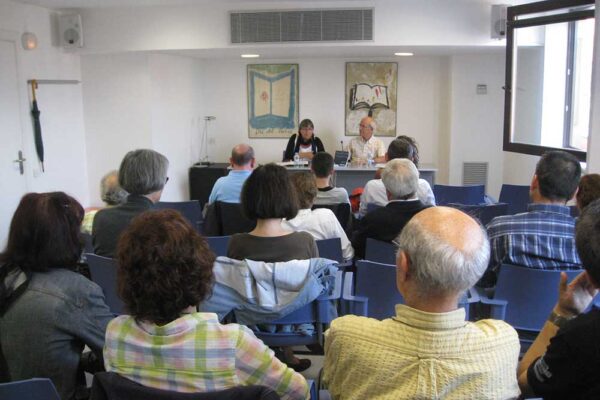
{"x":250,"y":55}
{"x":406,"y":54}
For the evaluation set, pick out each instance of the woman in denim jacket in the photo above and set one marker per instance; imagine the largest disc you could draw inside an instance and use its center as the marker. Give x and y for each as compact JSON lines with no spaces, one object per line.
{"x":48,"y":312}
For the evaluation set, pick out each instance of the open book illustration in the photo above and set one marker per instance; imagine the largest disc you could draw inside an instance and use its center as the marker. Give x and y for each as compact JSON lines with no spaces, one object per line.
{"x":363,"y":95}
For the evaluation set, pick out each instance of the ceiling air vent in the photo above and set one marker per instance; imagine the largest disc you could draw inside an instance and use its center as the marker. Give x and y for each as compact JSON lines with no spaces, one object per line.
{"x":302,"y":26}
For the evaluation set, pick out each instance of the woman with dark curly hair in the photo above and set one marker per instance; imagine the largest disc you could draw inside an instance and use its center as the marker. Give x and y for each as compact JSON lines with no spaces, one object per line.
{"x":48,"y":311}
{"x":588,"y":191}
{"x":165,"y":271}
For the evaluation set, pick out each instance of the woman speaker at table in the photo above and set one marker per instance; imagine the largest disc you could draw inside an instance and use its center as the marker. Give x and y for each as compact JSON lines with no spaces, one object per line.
{"x":305,"y":143}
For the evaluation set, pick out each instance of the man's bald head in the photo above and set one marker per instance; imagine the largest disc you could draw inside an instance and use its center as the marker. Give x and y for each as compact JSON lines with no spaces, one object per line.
{"x":448,"y":251}
{"x":366,"y":127}
{"x":242,"y":155}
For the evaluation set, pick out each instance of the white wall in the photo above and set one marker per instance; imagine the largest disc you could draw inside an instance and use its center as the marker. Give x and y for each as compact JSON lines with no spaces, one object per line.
{"x":134,"y":101}
{"x":60,"y":105}
{"x":593,"y":155}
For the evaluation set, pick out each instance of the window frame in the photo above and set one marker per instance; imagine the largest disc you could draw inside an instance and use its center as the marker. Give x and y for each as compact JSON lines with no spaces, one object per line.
{"x":512,"y":22}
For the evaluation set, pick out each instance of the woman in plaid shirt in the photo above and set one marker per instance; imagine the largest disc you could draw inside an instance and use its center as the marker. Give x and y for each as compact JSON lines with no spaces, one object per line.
{"x":165,"y":270}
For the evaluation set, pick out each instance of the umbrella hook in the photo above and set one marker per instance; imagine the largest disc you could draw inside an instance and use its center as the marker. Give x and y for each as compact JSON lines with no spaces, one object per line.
{"x":34,"y":86}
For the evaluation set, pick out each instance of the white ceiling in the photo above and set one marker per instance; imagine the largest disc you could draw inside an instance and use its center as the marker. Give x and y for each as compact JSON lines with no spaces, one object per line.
{"x":59,"y":4}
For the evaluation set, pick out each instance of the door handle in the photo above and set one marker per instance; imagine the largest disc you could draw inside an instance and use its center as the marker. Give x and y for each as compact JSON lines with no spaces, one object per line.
{"x":21,"y":160}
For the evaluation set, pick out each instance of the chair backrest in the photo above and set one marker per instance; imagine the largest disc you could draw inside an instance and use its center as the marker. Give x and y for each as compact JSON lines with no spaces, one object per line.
{"x":341,"y":211}
{"x":469,"y":194}
{"x":381,"y":252}
{"x":484,"y":212}
{"x":331,"y":249}
{"x":231,"y":219}
{"x":377,"y":282}
{"x":30,"y":389}
{"x":372,"y":206}
{"x":88,"y":247}
{"x":104,"y":274}
{"x":189,"y":209}
{"x":112,"y":386}
{"x":516,"y":196}
{"x":530,"y":293}
{"x":218,"y":244}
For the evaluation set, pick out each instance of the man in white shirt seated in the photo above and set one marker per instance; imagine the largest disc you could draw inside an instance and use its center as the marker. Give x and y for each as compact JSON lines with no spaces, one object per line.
{"x":322,"y":167}
{"x":228,"y":188}
{"x":321,"y":223}
{"x":374,"y":191}
{"x":366,"y":146}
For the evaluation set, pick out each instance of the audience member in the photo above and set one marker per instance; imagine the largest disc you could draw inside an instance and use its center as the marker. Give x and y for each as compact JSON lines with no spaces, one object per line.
{"x":563,"y":361}
{"x":268,"y":197}
{"x":165,"y":271}
{"x":228,"y":188}
{"x":401,"y":181}
{"x":322,"y":167}
{"x":111,"y":193}
{"x":48,"y":311}
{"x":366,"y":146}
{"x":588,"y":191}
{"x":542,"y":237}
{"x":374,"y":191}
{"x":305,"y":143}
{"x":143,"y":173}
{"x":321,"y":223}
{"x":427,"y":350}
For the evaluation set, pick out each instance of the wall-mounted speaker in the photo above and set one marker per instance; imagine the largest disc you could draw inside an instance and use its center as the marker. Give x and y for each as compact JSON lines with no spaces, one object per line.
{"x":499,"y":21}
{"x":70,"y":30}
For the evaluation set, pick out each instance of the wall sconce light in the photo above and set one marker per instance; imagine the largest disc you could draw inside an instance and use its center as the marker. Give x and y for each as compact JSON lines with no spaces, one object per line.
{"x":29,"y":41}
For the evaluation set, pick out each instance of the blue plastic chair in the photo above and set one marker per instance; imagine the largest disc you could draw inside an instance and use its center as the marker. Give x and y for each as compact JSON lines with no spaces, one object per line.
{"x":372,"y":207}
{"x":189,"y":209}
{"x":470,"y":194}
{"x":483,"y":212}
{"x":218,"y":244}
{"x":375,"y":292}
{"x":30,"y":389}
{"x":524,"y":296}
{"x":516,"y":196}
{"x":231,"y":219}
{"x":319,"y":312}
{"x":104,"y":274}
{"x":381,"y":252}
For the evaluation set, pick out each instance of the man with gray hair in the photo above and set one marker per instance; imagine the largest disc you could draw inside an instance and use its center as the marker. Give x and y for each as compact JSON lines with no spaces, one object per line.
{"x":143,"y":173}
{"x":427,"y":350}
{"x":111,"y":193}
{"x":228,"y":188}
{"x":401,"y":180}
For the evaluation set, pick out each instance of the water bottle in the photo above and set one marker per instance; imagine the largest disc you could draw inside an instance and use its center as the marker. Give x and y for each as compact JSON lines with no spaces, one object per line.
{"x":296,"y":160}
{"x":370,"y":162}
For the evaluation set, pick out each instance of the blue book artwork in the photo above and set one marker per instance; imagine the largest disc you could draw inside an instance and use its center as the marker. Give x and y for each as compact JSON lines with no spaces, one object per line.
{"x":272,"y":100}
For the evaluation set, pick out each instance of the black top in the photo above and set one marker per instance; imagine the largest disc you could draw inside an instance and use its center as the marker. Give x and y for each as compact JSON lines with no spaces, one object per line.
{"x":384,"y":223}
{"x":294,"y":145}
{"x":110,"y":222}
{"x":571,"y":366}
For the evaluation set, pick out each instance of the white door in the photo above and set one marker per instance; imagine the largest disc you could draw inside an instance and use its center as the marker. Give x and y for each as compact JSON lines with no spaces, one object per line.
{"x":12,"y":182}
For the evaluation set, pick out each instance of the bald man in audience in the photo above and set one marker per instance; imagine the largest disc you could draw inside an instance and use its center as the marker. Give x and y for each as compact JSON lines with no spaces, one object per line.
{"x":366,"y":144}
{"x":228,"y":188}
{"x":111,"y":193}
{"x":427,"y":350}
{"x":400,"y":178}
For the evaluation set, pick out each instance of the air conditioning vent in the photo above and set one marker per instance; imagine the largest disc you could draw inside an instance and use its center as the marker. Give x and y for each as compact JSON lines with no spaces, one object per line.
{"x":475,"y":173}
{"x":302,"y":26}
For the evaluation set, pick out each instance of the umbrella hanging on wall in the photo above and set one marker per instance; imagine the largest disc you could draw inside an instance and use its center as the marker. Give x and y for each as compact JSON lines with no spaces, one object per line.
{"x":35,"y":112}
{"x":37,"y":126}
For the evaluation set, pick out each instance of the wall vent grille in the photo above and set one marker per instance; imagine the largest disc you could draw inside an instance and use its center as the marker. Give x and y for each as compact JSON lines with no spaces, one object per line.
{"x":475,"y":173}
{"x":302,"y":26}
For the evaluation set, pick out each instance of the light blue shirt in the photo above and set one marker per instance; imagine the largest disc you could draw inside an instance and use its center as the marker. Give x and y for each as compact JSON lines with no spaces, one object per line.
{"x":228,"y":188}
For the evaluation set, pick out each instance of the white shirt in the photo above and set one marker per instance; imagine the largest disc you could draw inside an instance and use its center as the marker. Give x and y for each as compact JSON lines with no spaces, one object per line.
{"x":321,"y":223}
{"x":359,"y":149}
{"x":374,"y":193}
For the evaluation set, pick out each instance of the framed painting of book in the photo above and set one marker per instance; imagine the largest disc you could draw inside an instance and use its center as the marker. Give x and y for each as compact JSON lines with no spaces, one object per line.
{"x":272,"y":100}
{"x":371,"y":89}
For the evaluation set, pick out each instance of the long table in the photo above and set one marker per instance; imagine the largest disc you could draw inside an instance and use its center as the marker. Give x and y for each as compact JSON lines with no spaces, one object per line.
{"x":202,"y":177}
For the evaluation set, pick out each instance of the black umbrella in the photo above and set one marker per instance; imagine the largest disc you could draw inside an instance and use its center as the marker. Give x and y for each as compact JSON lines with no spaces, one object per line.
{"x":37,"y":127}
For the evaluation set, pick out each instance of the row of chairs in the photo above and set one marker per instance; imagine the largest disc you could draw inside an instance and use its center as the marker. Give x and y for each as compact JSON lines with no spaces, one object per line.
{"x":515,"y":196}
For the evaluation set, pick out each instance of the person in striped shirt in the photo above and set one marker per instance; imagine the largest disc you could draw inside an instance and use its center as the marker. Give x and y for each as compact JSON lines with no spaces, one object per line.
{"x":544,"y":236}
{"x":165,"y":271}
